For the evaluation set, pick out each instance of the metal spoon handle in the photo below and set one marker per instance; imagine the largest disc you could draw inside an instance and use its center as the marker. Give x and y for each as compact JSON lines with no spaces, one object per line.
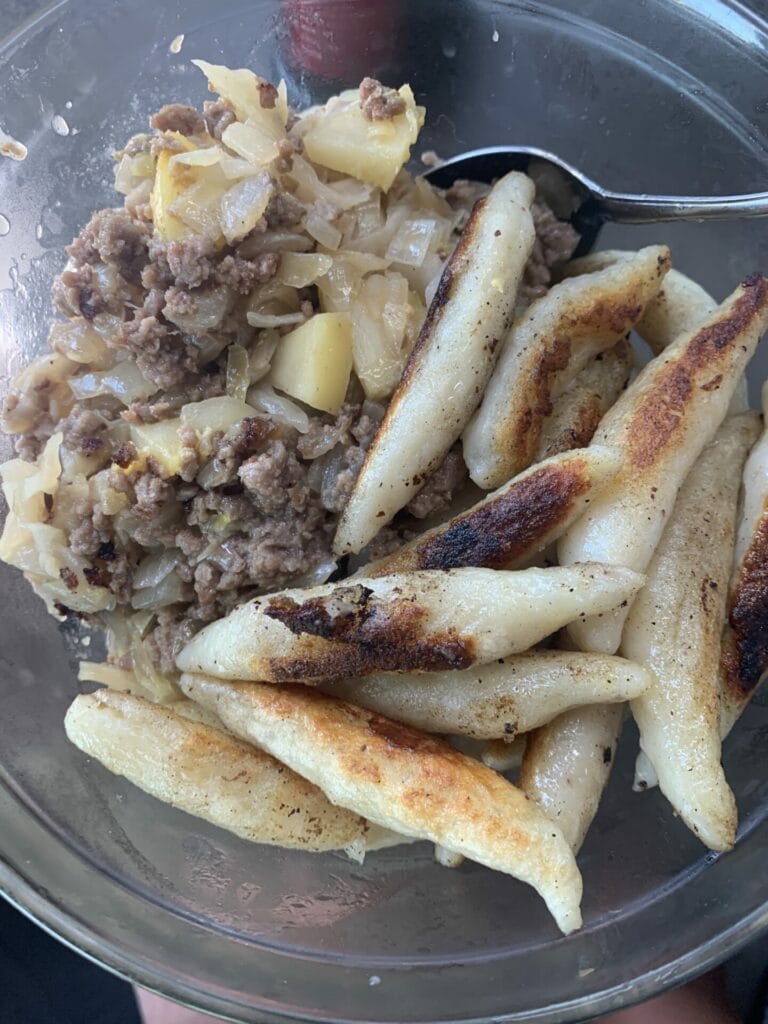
{"x":644,"y":209}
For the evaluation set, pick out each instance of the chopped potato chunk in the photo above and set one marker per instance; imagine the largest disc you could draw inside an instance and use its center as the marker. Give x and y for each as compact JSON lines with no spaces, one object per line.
{"x":171,"y":179}
{"x":341,"y":138}
{"x":313,"y":363}
{"x":159,"y":441}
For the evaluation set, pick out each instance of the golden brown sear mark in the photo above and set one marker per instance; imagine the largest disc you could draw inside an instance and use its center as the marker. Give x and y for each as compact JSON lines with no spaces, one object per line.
{"x":660,"y":413}
{"x":507,"y":527}
{"x":367,"y":636}
{"x":584,"y":316}
{"x":583,"y":429}
{"x":744,"y":658}
{"x":553,"y":361}
{"x":282,"y":701}
{"x":402,"y":736}
{"x":333,"y":618}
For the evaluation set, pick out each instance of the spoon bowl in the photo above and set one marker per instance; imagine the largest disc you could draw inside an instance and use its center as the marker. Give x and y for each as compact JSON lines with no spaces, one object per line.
{"x":575,"y":197}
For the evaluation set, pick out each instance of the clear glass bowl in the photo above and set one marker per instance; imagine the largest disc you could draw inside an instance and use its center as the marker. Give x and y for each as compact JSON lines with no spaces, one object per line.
{"x":654,"y":97}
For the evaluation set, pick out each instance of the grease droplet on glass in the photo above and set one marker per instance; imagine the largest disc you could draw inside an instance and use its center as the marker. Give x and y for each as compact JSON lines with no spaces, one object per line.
{"x":374,"y":980}
{"x":12,"y":147}
{"x":177,"y":43}
{"x":68,"y":105}
{"x":495,"y":36}
{"x":59,"y":125}
{"x":39,"y":232}
{"x":5,"y":225}
{"x":449,"y":50}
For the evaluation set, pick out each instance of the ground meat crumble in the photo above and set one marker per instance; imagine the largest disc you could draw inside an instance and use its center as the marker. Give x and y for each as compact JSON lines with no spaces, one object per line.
{"x":178,"y":117}
{"x":378,"y":102}
{"x":554,"y":245}
{"x":218,"y":115}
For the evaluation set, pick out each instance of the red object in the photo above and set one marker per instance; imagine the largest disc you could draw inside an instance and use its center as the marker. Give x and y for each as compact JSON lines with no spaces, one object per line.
{"x":341,"y":39}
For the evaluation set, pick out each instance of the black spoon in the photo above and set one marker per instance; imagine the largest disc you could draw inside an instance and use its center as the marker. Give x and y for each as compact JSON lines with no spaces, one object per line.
{"x":575,"y":197}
